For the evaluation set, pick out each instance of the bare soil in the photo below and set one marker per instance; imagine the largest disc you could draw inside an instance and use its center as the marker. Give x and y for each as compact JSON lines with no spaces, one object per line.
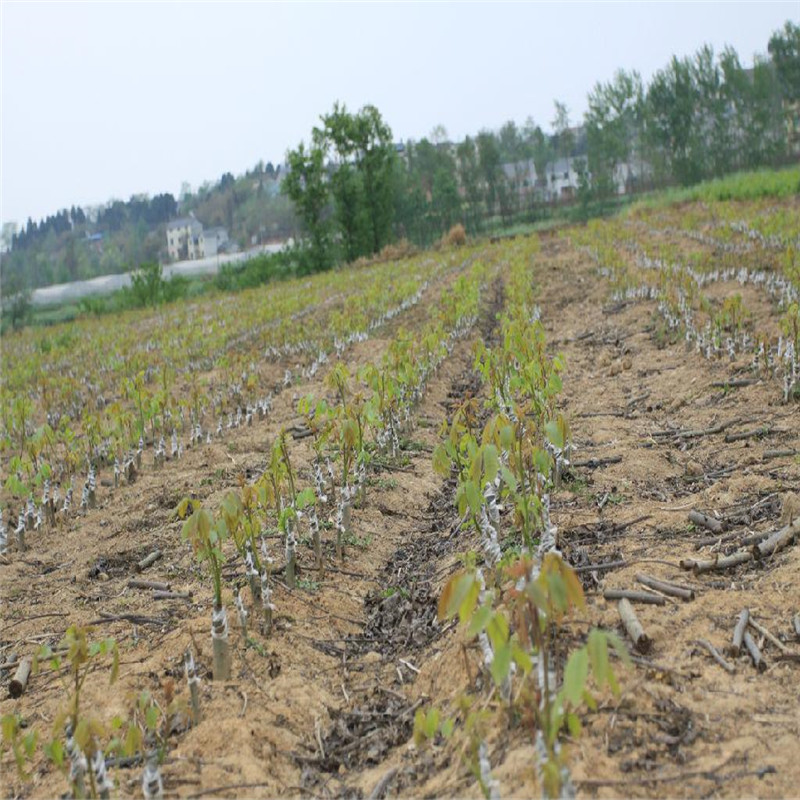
{"x":325,"y":706}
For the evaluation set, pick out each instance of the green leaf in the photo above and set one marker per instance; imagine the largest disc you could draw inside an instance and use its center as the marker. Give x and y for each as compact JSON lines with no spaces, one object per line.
{"x":597,"y":646}
{"x":419,"y":727}
{"x":501,"y":663}
{"x":447,"y":728}
{"x":29,"y":742}
{"x":441,"y":461}
{"x":508,"y":478}
{"x":82,"y":734}
{"x":575,"y":674}
{"x":491,"y":463}
{"x":558,"y":591}
{"x":183,"y":507}
{"x":497,"y":630}
{"x":9,"y":724}
{"x":506,"y":437}
{"x":469,"y":602}
{"x":305,"y":498}
{"x":151,"y":718}
{"x":574,"y":726}
{"x":480,"y":619}
{"x":55,"y":752}
{"x":612,"y":682}
{"x":453,"y":594}
{"x":554,"y":434}
{"x":521,"y":658}
{"x":431,"y":722}
{"x":133,"y":740}
{"x":473,"y":494}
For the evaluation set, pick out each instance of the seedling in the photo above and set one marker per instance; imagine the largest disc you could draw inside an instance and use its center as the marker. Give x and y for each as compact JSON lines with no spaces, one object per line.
{"x":206,"y":537}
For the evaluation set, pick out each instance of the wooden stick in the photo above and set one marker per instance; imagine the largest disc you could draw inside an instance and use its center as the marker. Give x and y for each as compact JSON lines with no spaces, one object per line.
{"x":601,"y":567}
{"x":716,"y":655}
{"x":163,"y":595}
{"x":641,"y":641}
{"x":796,"y":624}
{"x":768,"y":454}
{"x":149,"y":560}
{"x":699,"y":518}
{"x":634,"y":400}
{"x":594,"y":463}
{"x":711,"y":540}
{"x":634,"y":597}
{"x":778,"y":540}
{"x":742,"y":435}
{"x":383,"y":784}
{"x":767,"y":635}
{"x":755,"y":653}
{"x":665,"y":588}
{"x":739,"y":631}
{"x":735,"y":383}
{"x":696,"y":434}
{"x":135,"y":583}
{"x":20,"y":679}
{"x":135,"y":619}
{"x":755,"y":538}
{"x":700,"y":567}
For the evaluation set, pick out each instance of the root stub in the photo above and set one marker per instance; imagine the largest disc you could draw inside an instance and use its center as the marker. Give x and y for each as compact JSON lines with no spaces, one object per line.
{"x":641,"y":641}
{"x":20,"y":679}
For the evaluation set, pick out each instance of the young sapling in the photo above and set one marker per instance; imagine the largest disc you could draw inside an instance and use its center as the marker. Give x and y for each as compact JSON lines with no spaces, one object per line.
{"x":206,"y":538}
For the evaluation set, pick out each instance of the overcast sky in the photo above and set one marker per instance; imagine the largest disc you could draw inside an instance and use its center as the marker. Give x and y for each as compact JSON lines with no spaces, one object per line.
{"x":105,"y":100}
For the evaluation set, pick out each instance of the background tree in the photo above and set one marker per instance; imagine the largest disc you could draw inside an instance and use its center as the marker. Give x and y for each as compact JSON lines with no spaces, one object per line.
{"x":564,"y":140}
{"x":784,"y":49}
{"x":306,"y":185}
{"x":613,"y":128}
{"x":490,"y":166}
{"x":469,"y":173}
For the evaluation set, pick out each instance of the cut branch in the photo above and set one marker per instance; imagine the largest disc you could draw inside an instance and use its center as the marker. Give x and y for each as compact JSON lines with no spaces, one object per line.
{"x":739,"y":631}
{"x":135,"y":583}
{"x":716,"y":655}
{"x":755,"y":653}
{"x":712,"y":524}
{"x":778,"y":540}
{"x":149,"y":560}
{"x":634,"y":597}
{"x":699,"y":567}
{"x":670,"y":589}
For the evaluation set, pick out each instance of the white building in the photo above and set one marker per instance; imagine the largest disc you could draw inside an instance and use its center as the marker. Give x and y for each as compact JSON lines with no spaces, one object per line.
{"x":185,"y":239}
{"x":213,"y":240}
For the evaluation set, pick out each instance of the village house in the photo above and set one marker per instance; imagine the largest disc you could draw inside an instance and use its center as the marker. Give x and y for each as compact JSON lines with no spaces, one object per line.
{"x":213,"y":241}
{"x":185,"y":239}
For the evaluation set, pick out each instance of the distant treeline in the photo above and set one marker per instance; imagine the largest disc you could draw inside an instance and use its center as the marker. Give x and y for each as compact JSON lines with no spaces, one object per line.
{"x":351,"y":190}
{"x":700,"y":117}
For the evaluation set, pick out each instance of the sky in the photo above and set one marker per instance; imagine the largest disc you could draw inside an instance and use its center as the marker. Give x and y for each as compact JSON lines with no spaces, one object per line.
{"x":103,"y":100}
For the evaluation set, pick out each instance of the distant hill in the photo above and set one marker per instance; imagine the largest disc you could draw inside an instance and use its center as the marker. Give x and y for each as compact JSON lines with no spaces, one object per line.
{"x":81,"y":243}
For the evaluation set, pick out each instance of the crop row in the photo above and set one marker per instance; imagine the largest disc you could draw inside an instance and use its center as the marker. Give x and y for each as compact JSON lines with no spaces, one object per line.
{"x":357,"y":419}
{"x":641,"y":265}
{"x":149,"y":409}
{"x":507,"y":456}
